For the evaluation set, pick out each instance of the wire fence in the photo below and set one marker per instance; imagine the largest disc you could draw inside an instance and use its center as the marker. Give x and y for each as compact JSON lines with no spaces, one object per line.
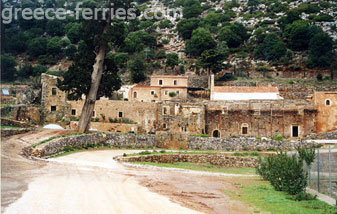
{"x":322,"y":174}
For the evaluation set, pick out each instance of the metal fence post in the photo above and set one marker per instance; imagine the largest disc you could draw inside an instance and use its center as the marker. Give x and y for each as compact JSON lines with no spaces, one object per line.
{"x":318,"y":178}
{"x":330,"y":185}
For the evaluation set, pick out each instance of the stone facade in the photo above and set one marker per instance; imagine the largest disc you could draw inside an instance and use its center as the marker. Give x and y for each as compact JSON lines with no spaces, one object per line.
{"x":7,"y":122}
{"x":143,"y":114}
{"x":260,"y":118}
{"x":326,"y":105}
{"x":214,"y":159}
{"x":53,"y":100}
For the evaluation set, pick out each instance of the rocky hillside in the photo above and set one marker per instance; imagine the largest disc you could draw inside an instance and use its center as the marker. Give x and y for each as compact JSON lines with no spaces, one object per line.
{"x":194,"y":36}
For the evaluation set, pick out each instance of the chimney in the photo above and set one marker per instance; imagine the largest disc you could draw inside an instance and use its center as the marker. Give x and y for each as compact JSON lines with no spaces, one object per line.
{"x":212,"y":85}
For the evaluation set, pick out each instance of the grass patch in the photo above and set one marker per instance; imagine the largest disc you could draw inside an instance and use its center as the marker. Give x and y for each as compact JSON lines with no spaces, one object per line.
{"x":6,"y":105}
{"x":205,"y":167}
{"x":261,"y":195}
{"x":10,"y":127}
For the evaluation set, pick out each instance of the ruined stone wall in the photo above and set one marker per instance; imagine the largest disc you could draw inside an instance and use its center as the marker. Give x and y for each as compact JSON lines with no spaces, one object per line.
{"x":111,"y":127}
{"x":10,"y":132}
{"x":142,"y":113}
{"x":180,"y":116}
{"x":263,"y":119}
{"x":7,"y":122}
{"x":27,"y":113}
{"x":53,"y":101}
{"x":198,"y":81}
{"x":326,"y":105}
{"x":214,"y":159}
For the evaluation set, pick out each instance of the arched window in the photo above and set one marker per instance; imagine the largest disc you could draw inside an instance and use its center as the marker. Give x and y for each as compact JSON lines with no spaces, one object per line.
{"x":134,"y":94}
{"x":327,"y":102}
{"x":216,"y":133}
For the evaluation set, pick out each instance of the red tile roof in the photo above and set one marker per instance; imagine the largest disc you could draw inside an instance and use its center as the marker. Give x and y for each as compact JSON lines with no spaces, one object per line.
{"x":232,"y":89}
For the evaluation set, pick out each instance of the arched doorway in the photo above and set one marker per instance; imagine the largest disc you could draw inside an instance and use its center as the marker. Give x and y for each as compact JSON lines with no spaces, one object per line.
{"x":134,"y":94}
{"x":216,"y":133}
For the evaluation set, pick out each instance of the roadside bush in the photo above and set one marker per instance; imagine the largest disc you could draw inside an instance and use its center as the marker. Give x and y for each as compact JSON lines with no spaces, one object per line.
{"x":68,"y":149}
{"x":254,"y":154}
{"x":303,"y":196}
{"x":285,"y":173}
{"x":278,"y":137}
{"x":319,"y":77}
{"x":145,"y":153}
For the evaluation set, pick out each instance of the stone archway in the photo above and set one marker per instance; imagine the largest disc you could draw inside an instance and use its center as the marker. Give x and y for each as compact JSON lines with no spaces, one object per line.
{"x":216,"y":133}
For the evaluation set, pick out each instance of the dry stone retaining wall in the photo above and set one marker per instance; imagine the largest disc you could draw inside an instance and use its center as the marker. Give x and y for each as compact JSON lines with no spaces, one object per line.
{"x":214,"y":159}
{"x":10,"y":132}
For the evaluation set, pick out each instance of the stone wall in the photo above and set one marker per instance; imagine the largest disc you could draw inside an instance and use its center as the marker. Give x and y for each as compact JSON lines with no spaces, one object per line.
{"x":198,"y":81}
{"x":112,"y":139}
{"x":7,"y":122}
{"x":10,"y":132}
{"x":28,"y":113}
{"x":214,"y":159}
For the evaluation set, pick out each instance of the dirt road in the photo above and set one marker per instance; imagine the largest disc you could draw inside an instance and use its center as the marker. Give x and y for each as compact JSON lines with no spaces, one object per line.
{"x":92,"y":182}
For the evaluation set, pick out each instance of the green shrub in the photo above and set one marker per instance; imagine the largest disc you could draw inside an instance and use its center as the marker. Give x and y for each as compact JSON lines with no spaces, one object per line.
{"x":145,"y":153}
{"x":162,"y":151}
{"x":278,"y":137}
{"x":303,"y":196}
{"x":285,"y":173}
{"x":236,"y":154}
{"x":254,"y":154}
{"x":319,"y":77}
{"x":172,"y":94}
{"x":307,"y":154}
{"x":68,"y":149}
{"x":124,"y":155}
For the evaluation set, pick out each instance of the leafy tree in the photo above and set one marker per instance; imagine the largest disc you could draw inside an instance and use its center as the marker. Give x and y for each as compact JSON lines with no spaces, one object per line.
{"x":165,"y":24}
{"x":186,"y":26}
{"x":192,"y":9}
{"x":54,"y":46}
{"x":37,"y":46}
{"x":161,"y":54}
{"x":172,"y":60}
{"x":321,"y":50}
{"x":298,"y":35}
{"x":121,"y":59}
{"x":15,"y":41}
{"x":71,"y":51}
{"x":137,"y":68}
{"x":200,"y":41}
{"x":289,"y":19}
{"x":138,"y":40}
{"x":38,"y":70}
{"x":8,"y":70}
{"x":55,"y":27}
{"x":234,"y":35}
{"x":94,"y":73}
{"x":73,"y":33}
{"x":26,"y":71}
{"x":272,"y":48}
{"x":212,"y":60}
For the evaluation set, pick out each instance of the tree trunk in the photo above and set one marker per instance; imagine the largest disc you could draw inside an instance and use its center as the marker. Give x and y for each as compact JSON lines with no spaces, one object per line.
{"x":90,"y":100}
{"x":96,"y":76}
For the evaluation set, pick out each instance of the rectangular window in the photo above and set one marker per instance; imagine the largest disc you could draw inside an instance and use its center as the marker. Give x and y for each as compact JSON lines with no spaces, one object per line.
{"x":166,"y":92}
{"x":53,"y":91}
{"x":244,"y":130}
{"x":152,"y":92}
{"x":294,"y":131}
{"x":120,"y":114}
{"x":160,"y":82}
{"x":53,"y":108}
{"x":164,"y":126}
{"x":177,"y":92}
{"x":175,"y":82}
{"x":93,"y":114}
{"x":73,"y":111}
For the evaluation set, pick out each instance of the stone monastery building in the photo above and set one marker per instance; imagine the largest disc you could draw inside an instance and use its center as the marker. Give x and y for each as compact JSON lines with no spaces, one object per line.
{"x":167,"y":105}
